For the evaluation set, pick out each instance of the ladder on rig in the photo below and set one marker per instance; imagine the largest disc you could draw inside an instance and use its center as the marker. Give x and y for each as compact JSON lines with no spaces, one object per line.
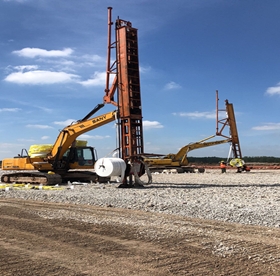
{"x":231,"y":123}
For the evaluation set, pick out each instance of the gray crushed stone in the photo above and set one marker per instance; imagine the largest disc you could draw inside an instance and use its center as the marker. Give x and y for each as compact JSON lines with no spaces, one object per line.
{"x":248,"y":198}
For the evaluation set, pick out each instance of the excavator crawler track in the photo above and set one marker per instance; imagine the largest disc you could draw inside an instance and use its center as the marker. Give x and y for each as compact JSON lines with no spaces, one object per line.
{"x":84,"y":176}
{"x":32,"y":178}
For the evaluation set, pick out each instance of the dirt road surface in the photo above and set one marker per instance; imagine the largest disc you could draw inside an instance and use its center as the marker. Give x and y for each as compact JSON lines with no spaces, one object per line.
{"x":59,"y":239}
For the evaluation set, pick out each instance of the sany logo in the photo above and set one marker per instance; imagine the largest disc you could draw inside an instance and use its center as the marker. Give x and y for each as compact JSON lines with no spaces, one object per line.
{"x":101,"y":118}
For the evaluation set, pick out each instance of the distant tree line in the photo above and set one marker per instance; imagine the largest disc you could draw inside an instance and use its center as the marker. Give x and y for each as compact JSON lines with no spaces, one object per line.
{"x":247,"y":159}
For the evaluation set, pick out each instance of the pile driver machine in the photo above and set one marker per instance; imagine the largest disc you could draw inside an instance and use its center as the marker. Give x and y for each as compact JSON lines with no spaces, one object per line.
{"x":61,"y":162}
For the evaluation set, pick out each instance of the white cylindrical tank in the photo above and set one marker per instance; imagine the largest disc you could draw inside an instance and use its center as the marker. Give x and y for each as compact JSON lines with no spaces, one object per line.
{"x":110,"y":167}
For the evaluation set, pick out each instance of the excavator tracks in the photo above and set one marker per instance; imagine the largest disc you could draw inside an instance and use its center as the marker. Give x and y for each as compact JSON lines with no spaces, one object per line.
{"x":52,"y":178}
{"x":32,"y":178}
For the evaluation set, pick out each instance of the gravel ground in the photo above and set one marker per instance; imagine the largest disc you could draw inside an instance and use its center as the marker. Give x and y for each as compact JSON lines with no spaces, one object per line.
{"x":246,"y":198}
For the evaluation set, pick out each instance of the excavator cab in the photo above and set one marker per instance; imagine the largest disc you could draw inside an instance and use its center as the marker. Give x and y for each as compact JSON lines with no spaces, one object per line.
{"x":80,"y":158}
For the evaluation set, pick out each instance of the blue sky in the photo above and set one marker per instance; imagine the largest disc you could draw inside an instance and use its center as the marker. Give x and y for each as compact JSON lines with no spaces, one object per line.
{"x":53,"y":62}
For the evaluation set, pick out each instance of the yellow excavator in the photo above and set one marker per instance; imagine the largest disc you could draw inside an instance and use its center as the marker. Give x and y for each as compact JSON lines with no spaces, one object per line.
{"x":66,"y":160}
{"x":179,"y":160}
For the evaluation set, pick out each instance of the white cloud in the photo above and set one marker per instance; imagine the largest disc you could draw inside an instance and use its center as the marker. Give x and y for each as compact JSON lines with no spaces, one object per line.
{"x":65,"y":123}
{"x":197,"y":115}
{"x":145,"y":69}
{"x":62,"y":69}
{"x":23,"y":68}
{"x":45,"y":109}
{"x":9,"y":109}
{"x":274,"y":90}
{"x":40,"y":77}
{"x":172,"y":85}
{"x":95,"y":137}
{"x":59,"y":62}
{"x":98,"y":79}
{"x":39,"y":126}
{"x":45,"y":137}
{"x":93,"y":58}
{"x":37,"y":52}
{"x":151,"y":124}
{"x":268,"y":126}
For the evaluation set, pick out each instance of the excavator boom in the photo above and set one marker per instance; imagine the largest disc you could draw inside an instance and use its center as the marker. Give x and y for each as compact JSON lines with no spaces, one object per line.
{"x":182,"y":153}
{"x":69,"y":134}
{"x":179,"y":160}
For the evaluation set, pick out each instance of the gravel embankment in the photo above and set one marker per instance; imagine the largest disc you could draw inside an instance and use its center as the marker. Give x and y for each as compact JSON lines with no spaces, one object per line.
{"x":247,"y":198}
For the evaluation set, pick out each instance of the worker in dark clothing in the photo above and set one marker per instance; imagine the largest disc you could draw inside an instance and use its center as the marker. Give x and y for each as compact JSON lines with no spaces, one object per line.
{"x":223,"y":166}
{"x":126,"y":183}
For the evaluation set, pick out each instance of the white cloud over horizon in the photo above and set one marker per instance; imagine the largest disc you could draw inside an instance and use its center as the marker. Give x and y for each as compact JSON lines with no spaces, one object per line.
{"x":274,"y":90}
{"x":146,"y":124}
{"x":40,"y":77}
{"x":197,"y":115}
{"x":172,"y":85}
{"x":268,"y":126}
{"x":65,"y":123}
{"x":94,"y":137}
{"x":55,"y":71}
{"x":37,"y":52}
{"x":151,"y":125}
{"x":98,"y":79}
{"x":39,"y":126}
{"x":15,"y":109}
{"x":23,"y":68}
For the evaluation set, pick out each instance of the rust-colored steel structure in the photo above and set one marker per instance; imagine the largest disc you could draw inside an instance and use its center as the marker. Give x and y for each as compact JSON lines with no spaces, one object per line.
{"x":231,"y":123}
{"x":127,"y":84}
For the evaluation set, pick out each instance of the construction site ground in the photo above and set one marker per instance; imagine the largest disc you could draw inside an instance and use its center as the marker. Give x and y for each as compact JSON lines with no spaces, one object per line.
{"x":35,"y":242}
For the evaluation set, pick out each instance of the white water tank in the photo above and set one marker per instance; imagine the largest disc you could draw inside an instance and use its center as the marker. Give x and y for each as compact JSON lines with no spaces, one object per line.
{"x":106,"y":167}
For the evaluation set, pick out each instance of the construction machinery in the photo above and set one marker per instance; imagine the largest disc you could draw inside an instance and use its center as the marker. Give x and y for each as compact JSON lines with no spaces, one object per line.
{"x":229,"y":121}
{"x":65,"y":161}
{"x":126,"y":86}
{"x":64,"y":156}
{"x":179,"y":160}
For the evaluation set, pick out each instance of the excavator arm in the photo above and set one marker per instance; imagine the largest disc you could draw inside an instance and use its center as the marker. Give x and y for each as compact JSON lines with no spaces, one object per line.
{"x":181,"y":156}
{"x":68,"y":135}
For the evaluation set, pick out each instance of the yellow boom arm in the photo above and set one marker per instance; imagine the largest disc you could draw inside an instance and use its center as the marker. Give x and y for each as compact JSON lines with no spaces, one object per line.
{"x":182,"y":153}
{"x":68,"y":135}
{"x":180,"y":158}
